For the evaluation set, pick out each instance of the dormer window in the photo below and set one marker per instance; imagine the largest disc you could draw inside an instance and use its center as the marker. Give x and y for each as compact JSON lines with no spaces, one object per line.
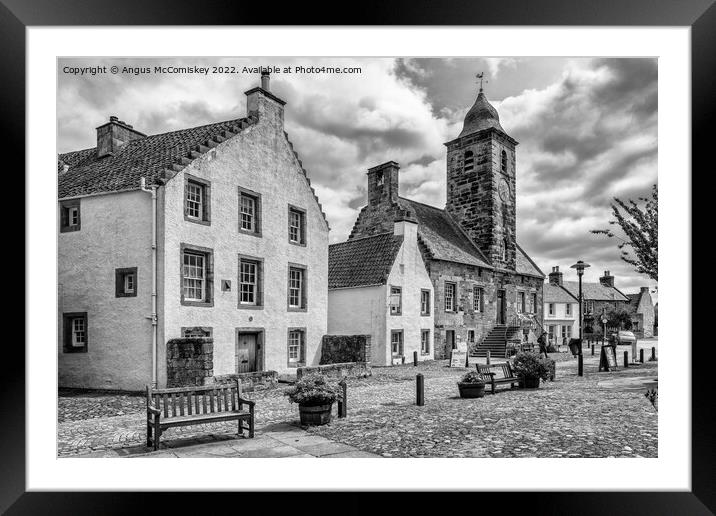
{"x":469,"y":161}
{"x":504,"y":162}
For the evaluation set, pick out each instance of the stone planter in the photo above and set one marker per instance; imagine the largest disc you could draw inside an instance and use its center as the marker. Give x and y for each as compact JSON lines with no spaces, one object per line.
{"x":313,"y":415}
{"x":471,"y":390}
{"x":530,"y":382}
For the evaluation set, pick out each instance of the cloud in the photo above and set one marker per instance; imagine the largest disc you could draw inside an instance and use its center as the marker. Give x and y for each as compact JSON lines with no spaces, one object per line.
{"x":587,"y":130}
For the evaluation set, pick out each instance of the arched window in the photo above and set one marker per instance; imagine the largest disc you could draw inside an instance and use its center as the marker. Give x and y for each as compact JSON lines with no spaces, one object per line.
{"x":504,"y":249}
{"x":504,"y":162}
{"x":469,"y":161}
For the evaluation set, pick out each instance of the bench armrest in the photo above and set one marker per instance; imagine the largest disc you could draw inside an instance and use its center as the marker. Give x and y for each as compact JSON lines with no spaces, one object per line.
{"x":153,"y":410}
{"x":248,"y":402}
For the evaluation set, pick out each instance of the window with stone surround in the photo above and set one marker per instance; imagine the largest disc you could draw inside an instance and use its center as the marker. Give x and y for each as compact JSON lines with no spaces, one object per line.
{"x":521,"y":302}
{"x":534,"y":304}
{"x":450,"y":295}
{"x":396,"y":301}
{"x":296,"y":288}
{"x":503,"y":162}
{"x":249,"y":212}
{"x":70,"y":216}
{"x":75,"y":332}
{"x":125,"y":282}
{"x":396,"y":342}
{"x":197,"y":200}
{"x":478,"y":299}
{"x":250,"y":282}
{"x":296,"y":347}
{"x":197,"y":276}
{"x":296,"y":225}
{"x":425,"y":342}
{"x":471,"y":336}
{"x":424,"y":302}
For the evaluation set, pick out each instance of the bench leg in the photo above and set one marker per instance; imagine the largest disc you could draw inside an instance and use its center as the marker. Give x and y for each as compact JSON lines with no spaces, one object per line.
{"x":251,"y":422}
{"x":157,"y":433}
{"x":241,"y":427}
{"x":149,"y":434}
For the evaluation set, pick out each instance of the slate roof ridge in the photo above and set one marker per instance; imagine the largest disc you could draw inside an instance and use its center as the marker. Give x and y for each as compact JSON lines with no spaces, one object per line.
{"x":549,"y":286}
{"x":443,"y":212}
{"x":308,"y":179}
{"x":530,"y":259}
{"x":357,"y":239}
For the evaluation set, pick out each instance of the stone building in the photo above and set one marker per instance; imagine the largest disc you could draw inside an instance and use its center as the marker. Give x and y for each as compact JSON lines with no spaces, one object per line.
{"x":207,"y":231}
{"x":643,"y":313}
{"x":482,"y":279}
{"x":378,"y":285}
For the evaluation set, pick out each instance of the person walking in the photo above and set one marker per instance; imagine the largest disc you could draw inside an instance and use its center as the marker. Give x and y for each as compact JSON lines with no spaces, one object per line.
{"x":542,"y":341}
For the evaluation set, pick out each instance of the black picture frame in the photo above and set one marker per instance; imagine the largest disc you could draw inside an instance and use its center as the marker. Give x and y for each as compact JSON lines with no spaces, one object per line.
{"x":700,"y":15}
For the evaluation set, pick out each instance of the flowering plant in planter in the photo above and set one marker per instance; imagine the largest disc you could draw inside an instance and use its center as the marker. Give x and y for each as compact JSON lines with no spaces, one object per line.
{"x":531,"y":368}
{"x":471,"y":377}
{"x":312,"y":390}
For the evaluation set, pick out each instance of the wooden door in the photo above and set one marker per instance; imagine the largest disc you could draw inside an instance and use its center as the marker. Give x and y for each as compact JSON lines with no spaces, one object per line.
{"x":246,"y":352}
{"x":500,"y":307}
{"x":449,"y":342}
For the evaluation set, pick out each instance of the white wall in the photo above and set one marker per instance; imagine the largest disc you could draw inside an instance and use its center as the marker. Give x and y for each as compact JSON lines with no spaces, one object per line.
{"x":259,"y":159}
{"x":115,"y":233}
{"x":359,"y":311}
{"x":560,"y":318}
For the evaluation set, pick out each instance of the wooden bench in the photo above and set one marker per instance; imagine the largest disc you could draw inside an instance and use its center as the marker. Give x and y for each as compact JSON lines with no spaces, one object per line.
{"x":183,"y":406}
{"x":495,"y":374}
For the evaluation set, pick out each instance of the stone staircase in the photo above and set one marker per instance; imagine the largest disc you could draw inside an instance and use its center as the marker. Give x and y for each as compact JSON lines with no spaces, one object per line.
{"x":496,"y":341}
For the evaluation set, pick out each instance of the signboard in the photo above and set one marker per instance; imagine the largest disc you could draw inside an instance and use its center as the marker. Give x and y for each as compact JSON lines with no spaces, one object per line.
{"x":461,"y":345}
{"x":608,"y":358}
{"x":457,"y":358}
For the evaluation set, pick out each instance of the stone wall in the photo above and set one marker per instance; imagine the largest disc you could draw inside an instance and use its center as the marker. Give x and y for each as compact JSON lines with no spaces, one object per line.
{"x":190,"y":361}
{"x":345,"y":348}
{"x":346,"y":369}
{"x":255,"y":381}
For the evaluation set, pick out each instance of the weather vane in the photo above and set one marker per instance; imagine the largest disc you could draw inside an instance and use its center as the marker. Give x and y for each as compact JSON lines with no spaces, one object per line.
{"x":480,"y":76}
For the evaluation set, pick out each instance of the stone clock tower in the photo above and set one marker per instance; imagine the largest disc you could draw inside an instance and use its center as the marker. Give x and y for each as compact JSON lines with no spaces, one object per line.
{"x":481,"y":183}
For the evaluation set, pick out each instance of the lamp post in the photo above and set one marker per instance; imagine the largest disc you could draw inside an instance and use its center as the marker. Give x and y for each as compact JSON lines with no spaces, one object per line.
{"x":580,"y":266}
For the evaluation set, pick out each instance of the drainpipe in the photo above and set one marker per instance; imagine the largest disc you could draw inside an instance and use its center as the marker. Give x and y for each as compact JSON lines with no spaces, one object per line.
{"x":153,"y":190}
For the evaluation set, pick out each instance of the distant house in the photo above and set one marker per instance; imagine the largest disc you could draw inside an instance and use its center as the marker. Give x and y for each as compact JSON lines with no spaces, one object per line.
{"x":643,"y":313}
{"x":379,"y":286}
{"x":208,"y":231}
{"x":597,"y":298}
{"x":561,"y":311}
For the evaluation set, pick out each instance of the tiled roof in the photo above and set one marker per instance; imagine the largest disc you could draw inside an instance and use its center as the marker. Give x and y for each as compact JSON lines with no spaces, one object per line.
{"x":525,"y":265}
{"x":146,"y":157}
{"x":595,"y":291}
{"x":556,"y":294}
{"x":362,"y":262}
{"x":442,"y":237}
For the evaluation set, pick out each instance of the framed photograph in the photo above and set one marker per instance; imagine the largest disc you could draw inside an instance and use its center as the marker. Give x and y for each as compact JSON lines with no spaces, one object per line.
{"x":406,"y":245}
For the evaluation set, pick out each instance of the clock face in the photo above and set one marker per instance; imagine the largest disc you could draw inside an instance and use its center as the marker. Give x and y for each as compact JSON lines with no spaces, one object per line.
{"x":504,"y":191}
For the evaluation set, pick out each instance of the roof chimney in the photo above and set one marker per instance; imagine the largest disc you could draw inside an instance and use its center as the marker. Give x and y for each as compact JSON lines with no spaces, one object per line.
{"x":265,"y":79}
{"x":607,"y":280}
{"x":555,"y":277}
{"x":383,"y":183}
{"x":113,"y":135}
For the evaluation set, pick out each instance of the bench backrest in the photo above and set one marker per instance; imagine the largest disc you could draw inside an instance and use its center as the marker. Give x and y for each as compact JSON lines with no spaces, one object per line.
{"x":501,"y":370}
{"x":187,"y":401}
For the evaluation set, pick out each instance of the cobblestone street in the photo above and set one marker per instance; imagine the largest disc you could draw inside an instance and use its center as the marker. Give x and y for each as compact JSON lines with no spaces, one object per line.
{"x":599,"y":415}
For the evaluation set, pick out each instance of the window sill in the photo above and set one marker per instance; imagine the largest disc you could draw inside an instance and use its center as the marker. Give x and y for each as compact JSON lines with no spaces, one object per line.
{"x":71,"y":350}
{"x":296,"y":365}
{"x":250,"y":307}
{"x":201,"y":304}
{"x":123,"y":294}
{"x":69,"y":229}
{"x":247,"y":232}
{"x":197,"y":221}
{"x":296,"y":309}
{"x":298,"y":244}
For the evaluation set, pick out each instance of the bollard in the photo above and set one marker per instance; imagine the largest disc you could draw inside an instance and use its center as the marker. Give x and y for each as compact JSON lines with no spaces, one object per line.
{"x":641,"y":355}
{"x":626,"y":359}
{"x":593,"y":346}
{"x":653,"y":354}
{"x":580,"y":365}
{"x":488,"y":356}
{"x":419,"y":390}
{"x":415,"y":358}
{"x":343,"y":401}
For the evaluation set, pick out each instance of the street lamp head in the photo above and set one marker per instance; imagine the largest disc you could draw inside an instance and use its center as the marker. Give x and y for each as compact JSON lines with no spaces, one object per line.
{"x":580,"y":266}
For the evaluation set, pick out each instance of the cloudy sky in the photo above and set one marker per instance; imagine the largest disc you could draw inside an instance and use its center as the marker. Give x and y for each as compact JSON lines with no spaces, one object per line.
{"x":587,"y":130}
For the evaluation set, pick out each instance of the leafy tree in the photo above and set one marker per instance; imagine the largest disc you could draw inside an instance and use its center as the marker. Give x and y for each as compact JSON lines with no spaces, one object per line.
{"x":618,"y":319}
{"x":640,"y":225}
